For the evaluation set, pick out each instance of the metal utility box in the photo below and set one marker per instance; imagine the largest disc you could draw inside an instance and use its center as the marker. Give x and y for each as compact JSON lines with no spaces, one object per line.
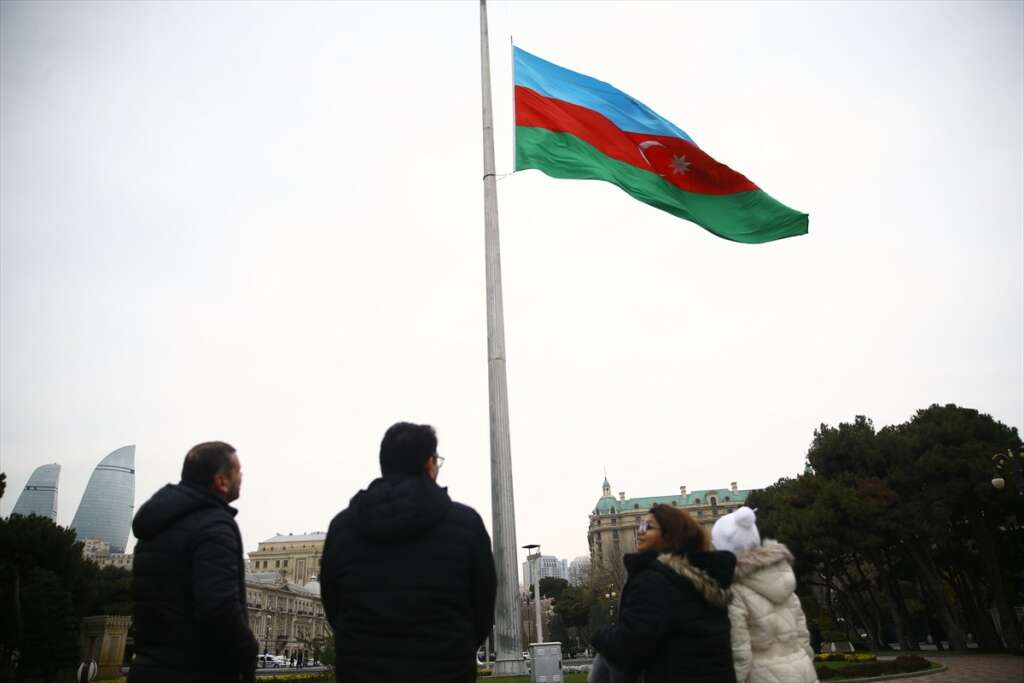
{"x":545,"y":662}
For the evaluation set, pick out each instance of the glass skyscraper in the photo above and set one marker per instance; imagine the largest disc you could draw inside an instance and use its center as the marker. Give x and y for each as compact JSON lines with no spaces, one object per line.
{"x":39,"y":497}
{"x":109,"y":501}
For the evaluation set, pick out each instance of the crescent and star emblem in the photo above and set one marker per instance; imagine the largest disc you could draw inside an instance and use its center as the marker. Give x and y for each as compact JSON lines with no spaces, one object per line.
{"x":679,"y":164}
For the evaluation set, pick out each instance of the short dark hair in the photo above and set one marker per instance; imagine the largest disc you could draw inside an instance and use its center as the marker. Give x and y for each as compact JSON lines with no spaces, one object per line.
{"x":680,"y":532}
{"x":406,"y":447}
{"x":206,"y":460}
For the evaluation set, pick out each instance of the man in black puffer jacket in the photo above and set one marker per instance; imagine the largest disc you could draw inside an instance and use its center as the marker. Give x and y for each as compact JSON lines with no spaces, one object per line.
{"x":407,"y":578}
{"x":190,"y":619}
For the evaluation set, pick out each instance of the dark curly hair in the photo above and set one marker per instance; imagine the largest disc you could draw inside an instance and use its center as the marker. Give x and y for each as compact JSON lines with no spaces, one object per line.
{"x":680,"y":532}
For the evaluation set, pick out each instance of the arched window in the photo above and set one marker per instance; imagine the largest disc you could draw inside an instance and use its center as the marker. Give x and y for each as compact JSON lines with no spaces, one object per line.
{"x":696,"y":501}
{"x":714,"y":501}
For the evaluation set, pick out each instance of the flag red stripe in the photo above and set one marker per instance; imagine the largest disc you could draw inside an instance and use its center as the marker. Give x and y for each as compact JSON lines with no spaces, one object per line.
{"x":678,"y":161}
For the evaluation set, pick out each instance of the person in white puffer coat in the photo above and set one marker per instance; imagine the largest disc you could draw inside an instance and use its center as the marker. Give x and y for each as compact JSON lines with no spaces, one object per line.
{"x":770,"y":642}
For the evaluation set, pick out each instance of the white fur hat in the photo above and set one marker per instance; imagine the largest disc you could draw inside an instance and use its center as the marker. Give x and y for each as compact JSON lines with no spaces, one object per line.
{"x":736,"y":532}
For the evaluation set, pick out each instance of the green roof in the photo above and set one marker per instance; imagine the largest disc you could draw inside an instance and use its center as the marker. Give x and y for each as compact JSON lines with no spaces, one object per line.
{"x":606,"y":503}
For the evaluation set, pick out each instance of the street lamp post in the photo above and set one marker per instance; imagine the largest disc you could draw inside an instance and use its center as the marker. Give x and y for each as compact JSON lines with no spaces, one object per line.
{"x":1009,"y":462}
{"x":266,"y":638}
{"x":534,"y":555}
{"x":610,"y":596}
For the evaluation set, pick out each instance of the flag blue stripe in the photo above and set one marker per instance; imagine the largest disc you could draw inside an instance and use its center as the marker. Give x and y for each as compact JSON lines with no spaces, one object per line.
{"x":560,"y":83}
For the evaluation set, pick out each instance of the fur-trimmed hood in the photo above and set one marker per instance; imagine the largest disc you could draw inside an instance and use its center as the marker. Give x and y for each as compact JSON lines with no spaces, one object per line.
{"x":710,"y":573}
{"x":674,"y":618}
{"x":714,"y":589}
{"x":767,"y":570}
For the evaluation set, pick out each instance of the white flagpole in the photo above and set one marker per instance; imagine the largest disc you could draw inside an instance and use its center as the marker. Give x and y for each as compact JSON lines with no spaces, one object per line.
{"x":508,"y":641}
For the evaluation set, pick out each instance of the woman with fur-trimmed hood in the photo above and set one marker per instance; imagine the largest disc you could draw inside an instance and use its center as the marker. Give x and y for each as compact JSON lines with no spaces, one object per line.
{"x":672,"y":624}
{"x":770,"y":642}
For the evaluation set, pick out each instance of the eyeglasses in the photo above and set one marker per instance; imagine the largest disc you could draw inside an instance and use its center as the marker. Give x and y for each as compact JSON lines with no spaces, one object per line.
{"x":645,"y":526}
{"x":439,"y":460}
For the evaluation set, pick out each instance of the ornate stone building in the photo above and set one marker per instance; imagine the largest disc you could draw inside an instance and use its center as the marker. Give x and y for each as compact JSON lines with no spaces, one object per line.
{"x":614,"y":521}
{"x":98,"y":551}
{"x":95,"y":549}
{"x":284,"y":616}
{"x":122,"y":560}
{"x":296,"y":556}
{"x":103,"y":639}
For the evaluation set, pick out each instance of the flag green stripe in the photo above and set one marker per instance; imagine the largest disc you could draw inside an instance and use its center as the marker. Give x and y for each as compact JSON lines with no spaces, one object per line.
{"x":750,"y":217}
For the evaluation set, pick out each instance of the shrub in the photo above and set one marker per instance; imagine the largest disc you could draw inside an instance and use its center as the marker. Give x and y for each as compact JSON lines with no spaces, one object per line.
{"x":845,"y":657}
{"x":909,"y":663}
{"x":901,"y":665}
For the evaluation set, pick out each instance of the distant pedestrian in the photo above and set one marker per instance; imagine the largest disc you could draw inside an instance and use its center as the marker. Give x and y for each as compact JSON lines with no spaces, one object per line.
{"x":291,"y":660}
{"x":188,"y":578}
{"x":815,"y":635}
{"x":770,"y":640}
{"x":408,"y":580}
{"x":672,"y":624}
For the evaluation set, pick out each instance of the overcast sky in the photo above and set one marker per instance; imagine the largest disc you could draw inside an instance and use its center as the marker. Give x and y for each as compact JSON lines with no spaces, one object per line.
{"x":263,"y":223}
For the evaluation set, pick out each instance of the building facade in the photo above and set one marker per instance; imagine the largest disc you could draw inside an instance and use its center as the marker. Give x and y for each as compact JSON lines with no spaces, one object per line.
{"x":550,"y":567}
{"x":614,"y":521}
{"x":284,"y":616}
{"x":39,"y":497}
{"x":579,"y":570}
{"x":108,"y":503}
{"x":121,"y":560}
{"x":98,"y":551}
{"x":95,"y":549}
{"x":294,"y":556}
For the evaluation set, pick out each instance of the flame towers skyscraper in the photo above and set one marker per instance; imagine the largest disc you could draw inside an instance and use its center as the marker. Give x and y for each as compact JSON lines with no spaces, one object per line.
{"x":109,"y":501}
{"x":39,"y":497}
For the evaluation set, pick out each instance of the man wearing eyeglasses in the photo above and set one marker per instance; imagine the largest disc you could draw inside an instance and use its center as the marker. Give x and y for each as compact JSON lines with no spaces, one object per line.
{"x":407,"y":577}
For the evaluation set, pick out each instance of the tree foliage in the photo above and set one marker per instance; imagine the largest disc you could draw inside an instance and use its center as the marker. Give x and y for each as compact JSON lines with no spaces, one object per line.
{"x":552,"y":587}
{"x":50,"y":640}
{"x":899,"y":534}
{"x":572,"y":609}
{"x":579,"y":609}
{"x":46,"y":588}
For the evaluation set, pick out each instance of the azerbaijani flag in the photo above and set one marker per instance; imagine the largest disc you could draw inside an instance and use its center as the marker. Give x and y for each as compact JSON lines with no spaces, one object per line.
{"x":573,"y":126}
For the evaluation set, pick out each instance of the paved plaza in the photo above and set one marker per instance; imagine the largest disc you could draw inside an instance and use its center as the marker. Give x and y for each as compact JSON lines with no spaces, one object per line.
{"x":978,"y":669}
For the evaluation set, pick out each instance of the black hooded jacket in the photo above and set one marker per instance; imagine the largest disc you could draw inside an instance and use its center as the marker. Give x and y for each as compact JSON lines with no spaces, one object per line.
{"x":190,"y":618}
{"x":408,"y":584}
{"x":673,"y":623}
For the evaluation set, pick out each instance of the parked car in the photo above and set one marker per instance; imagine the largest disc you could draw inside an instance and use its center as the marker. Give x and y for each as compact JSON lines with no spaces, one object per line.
{"x":267,"y":662}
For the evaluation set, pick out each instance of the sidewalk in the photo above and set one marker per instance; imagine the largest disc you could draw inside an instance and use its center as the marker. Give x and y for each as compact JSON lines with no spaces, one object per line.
{"x":977,"y":669}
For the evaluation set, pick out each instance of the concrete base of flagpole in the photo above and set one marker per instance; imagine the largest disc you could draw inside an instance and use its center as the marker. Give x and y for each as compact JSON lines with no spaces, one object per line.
{"x":505,"y":668}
